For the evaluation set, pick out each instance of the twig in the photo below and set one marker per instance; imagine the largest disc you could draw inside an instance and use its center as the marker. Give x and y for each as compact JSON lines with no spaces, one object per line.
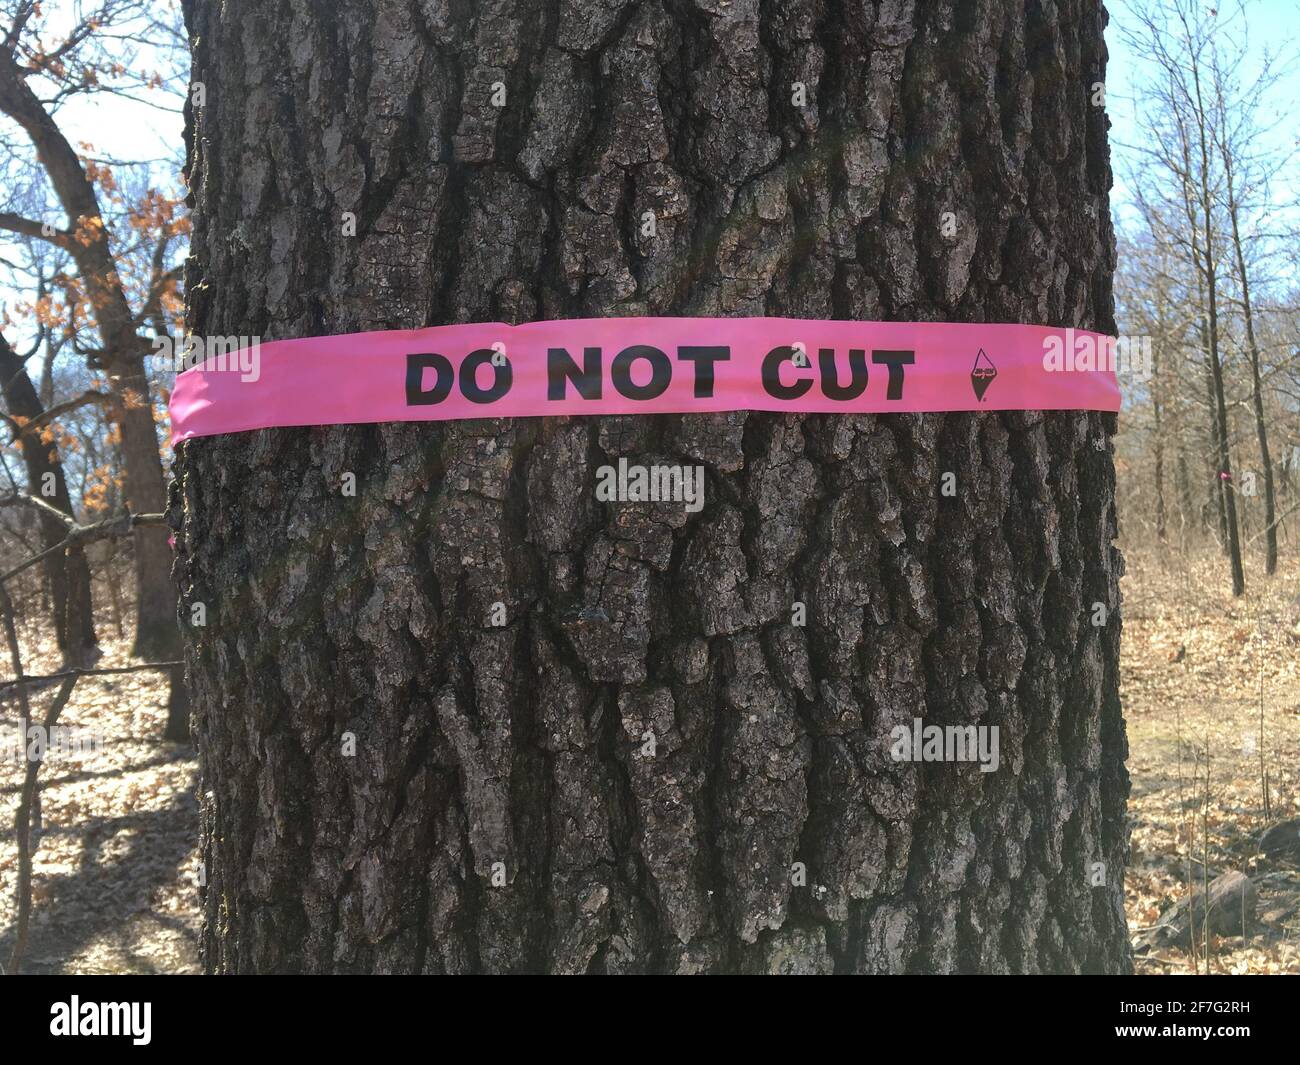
{"x":73,"y":674}
{"x":1205,"y":849}
{"x":37,"y":503}
{"x":103,"y":399}
{"x":1161,"y":961}
{"x":1278,"y":521}
{"x":122,"y":525}
{"x":23,"y":829}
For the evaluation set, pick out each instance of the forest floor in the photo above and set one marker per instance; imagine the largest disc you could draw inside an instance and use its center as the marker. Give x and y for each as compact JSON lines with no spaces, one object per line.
{"x":115,"y":884}
{"x":1198,"y":669}
{"x":115,"y":870}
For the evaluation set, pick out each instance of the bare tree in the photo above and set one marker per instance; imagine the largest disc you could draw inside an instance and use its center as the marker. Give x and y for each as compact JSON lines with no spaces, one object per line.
{"x":68,"y":575}
{"x":1246,"y":171}
{"x":1177,"y":36}
{"x":82,"y":58}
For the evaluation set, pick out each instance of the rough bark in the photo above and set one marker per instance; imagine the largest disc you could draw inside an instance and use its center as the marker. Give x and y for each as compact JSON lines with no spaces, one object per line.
{"x":523,"y":745}
{"x":66,"y":573}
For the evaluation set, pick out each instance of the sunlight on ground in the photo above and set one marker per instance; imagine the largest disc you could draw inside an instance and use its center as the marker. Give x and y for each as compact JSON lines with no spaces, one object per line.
{"x":114,"y":873}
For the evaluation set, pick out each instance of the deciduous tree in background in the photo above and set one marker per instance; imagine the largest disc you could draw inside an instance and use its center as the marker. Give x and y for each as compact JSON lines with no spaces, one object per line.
{"x":77,"y":60}
{"x":1236,"y":127}
{"x":502,"y":809}
{"x":66,"y":573}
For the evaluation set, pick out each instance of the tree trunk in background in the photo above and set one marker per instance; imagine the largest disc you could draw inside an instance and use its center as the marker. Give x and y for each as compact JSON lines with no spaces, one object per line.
{"x":157,"y":638}
{"x":1256,"y":382}
{"x":66,"y":572}
{"x":1216,"y":501}
{"x":1158,"y":445}
{"x":1185,"y":506}
{"x":519,"y":750}
{"x":157,"y":635}
{"x":122,"y":357}
{"x":1228,"y":488}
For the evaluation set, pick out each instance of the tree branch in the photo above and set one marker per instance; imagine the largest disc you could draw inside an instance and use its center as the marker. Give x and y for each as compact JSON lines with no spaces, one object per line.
{"x":41,"y":231}
{"x":122,"y":525}
{"x":51,"y":413}
{"x":23,"y":830}
{"x":73,"y":674}
{"x":26,"y":499}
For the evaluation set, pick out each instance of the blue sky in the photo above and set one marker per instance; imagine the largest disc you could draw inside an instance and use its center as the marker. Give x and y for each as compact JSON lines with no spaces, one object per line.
{"x":123,"y":129}
{"x":127,"y":130}
{"x":1271,"y":24}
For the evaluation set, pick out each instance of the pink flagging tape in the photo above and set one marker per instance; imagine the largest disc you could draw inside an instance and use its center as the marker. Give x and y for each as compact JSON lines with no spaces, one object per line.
{"x":644,"y":366}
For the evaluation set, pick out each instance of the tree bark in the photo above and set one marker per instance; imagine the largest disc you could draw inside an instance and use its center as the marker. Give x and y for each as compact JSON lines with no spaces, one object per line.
{"x":66,"y":573}
{"x":500,"y":812}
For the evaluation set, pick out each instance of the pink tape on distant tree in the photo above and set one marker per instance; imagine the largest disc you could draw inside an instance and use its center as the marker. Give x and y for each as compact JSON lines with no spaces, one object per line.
{"x":646,"y":366}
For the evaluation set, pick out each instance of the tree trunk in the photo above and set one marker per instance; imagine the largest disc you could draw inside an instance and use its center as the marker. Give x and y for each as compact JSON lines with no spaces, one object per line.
{"x":1256,"y":380}
{"x":1184,"y":486}
{"x":502,"y":811}
{"x":121,"y":356}
{"x":157,"y":638}
{"x":1210,"y":273}
{"x":66,"y":572}
{"x":1158,"y":446}
{"x":1215,"y":481}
